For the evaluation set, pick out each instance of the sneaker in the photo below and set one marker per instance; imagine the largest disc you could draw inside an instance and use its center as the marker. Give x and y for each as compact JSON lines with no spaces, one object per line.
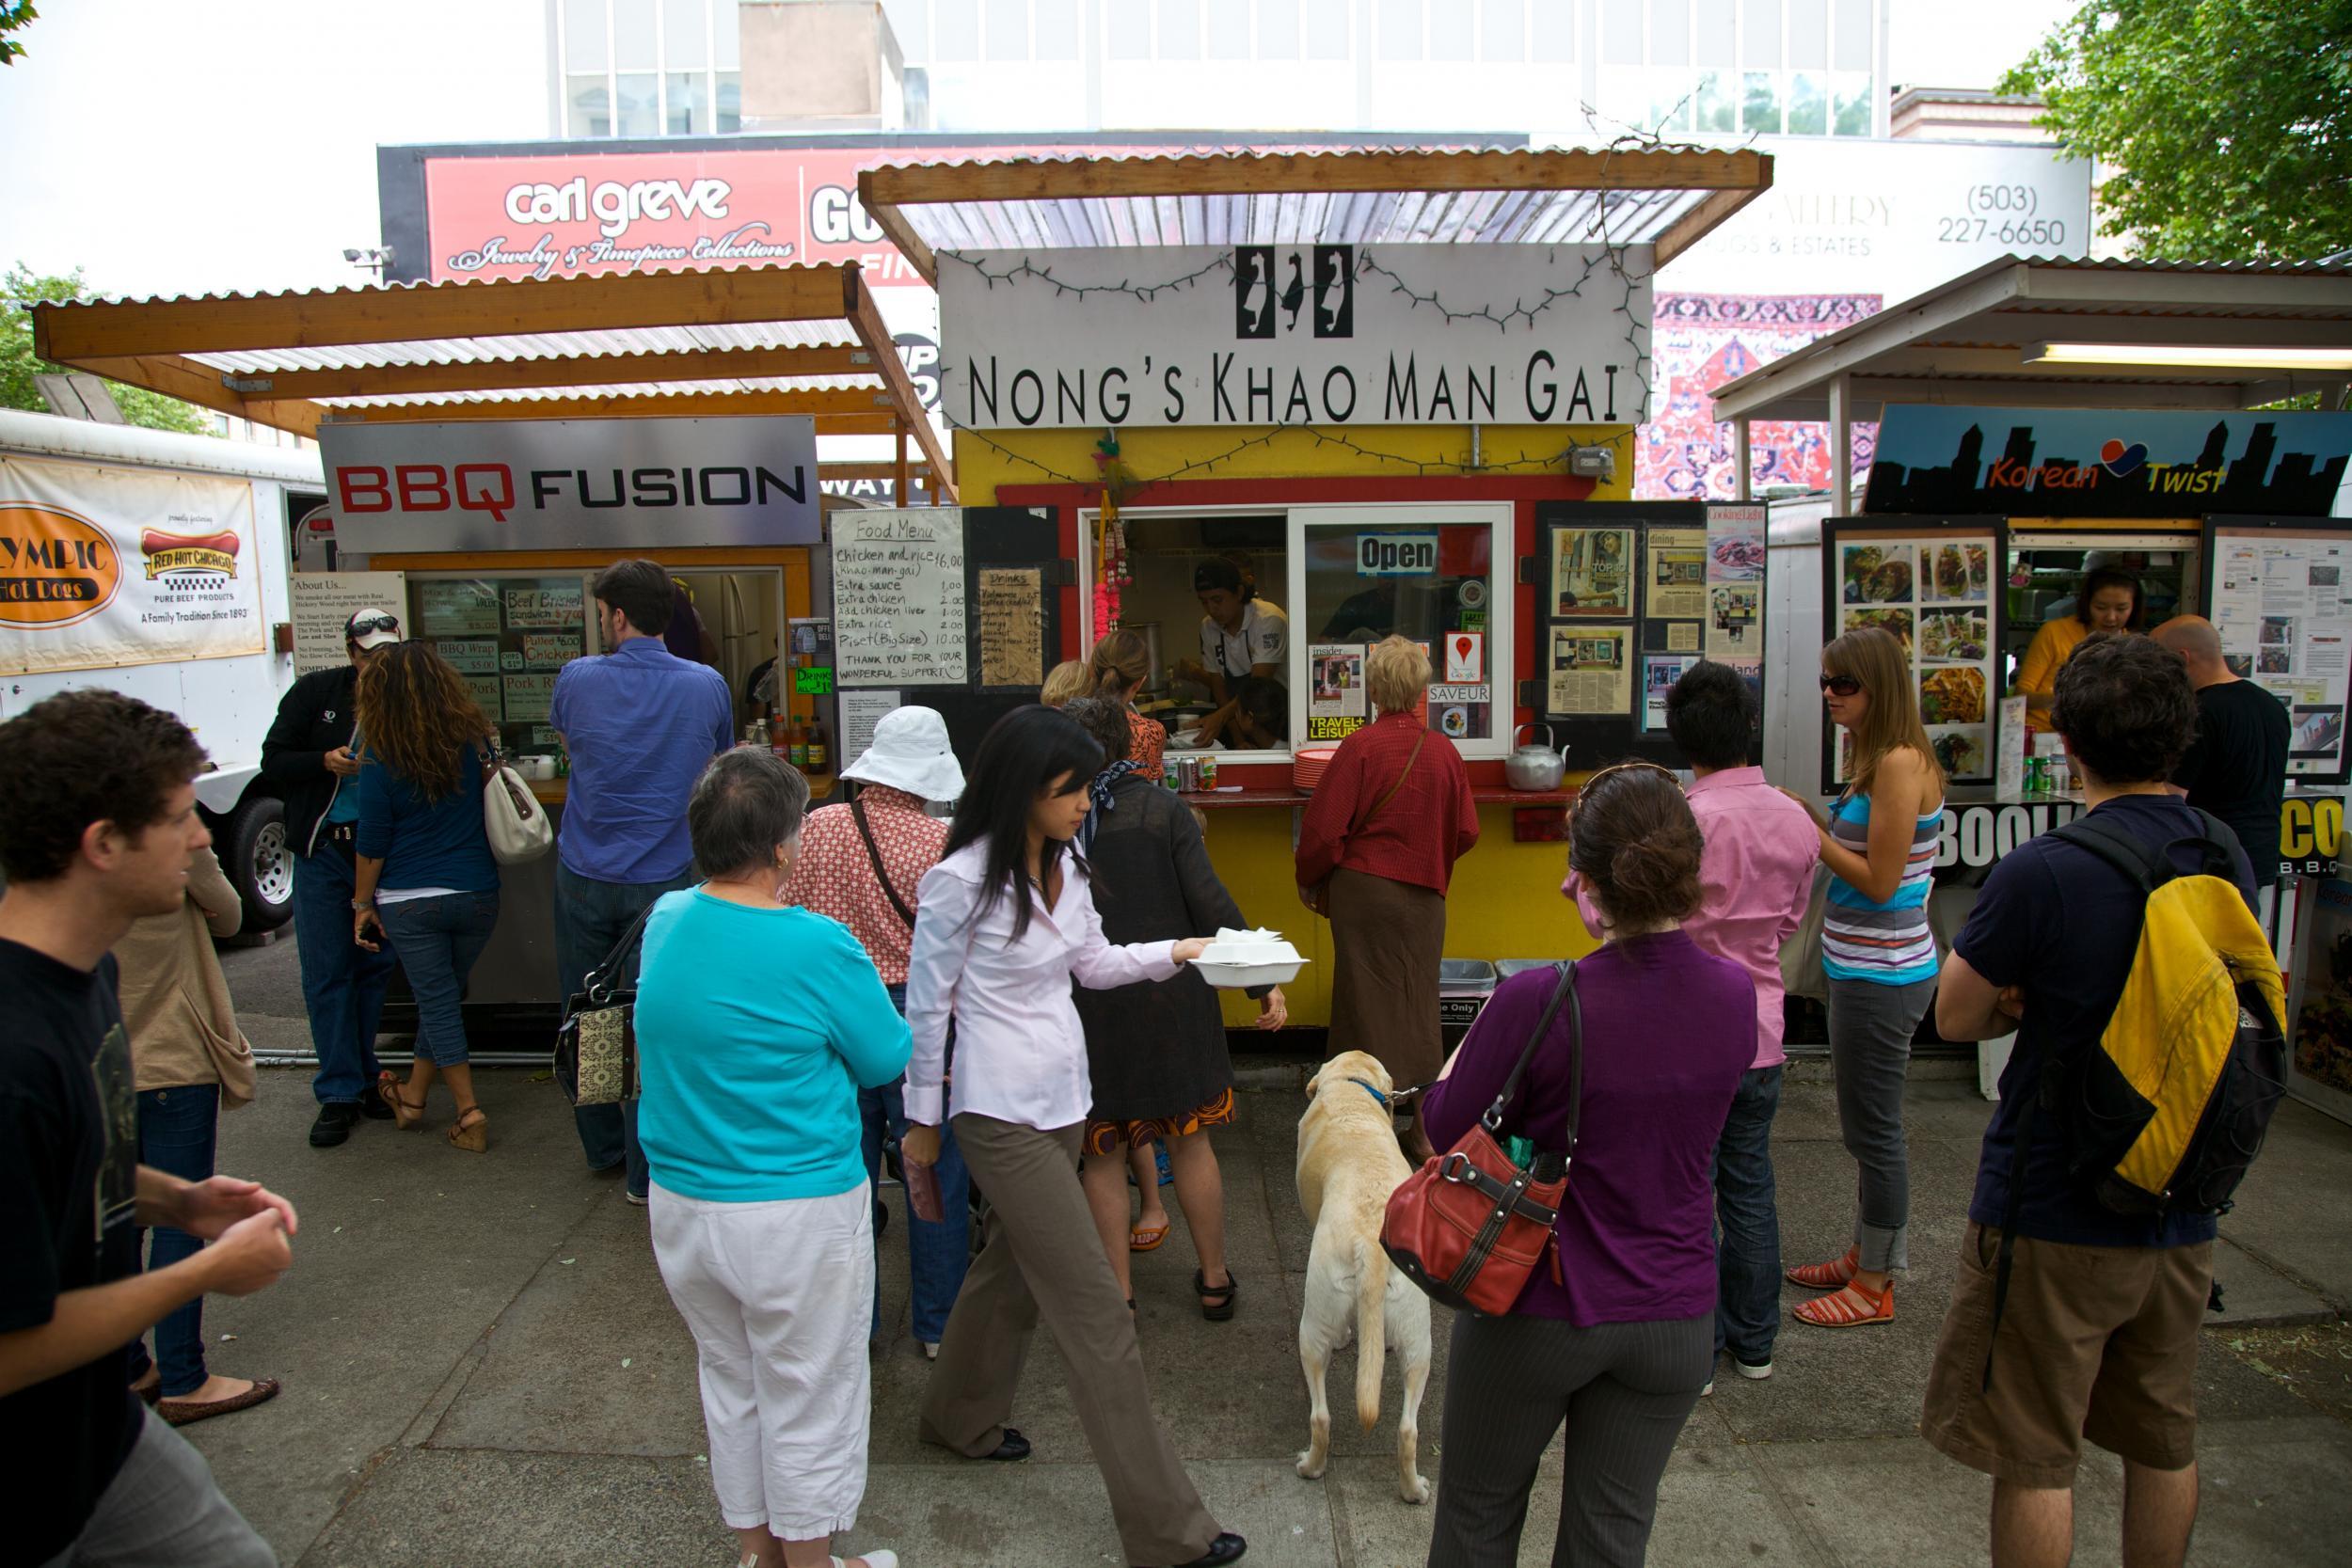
{"x":638,"y":1200}
{"x":1708,"y":1389}
{"x":930,"y":1349}
{"x":1756,"y":1372}
{"x":334,"y":1124}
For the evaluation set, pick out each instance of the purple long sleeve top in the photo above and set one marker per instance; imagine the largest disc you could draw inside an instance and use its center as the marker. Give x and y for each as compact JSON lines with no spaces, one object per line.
{"x":1668,"y":1031}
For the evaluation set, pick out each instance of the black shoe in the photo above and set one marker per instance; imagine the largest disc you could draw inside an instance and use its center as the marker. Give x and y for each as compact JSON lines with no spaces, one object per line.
{"x":374,"y":1109}
{"x":334,"y":1125}
{"x":1226,"y":1547}
{"x":1015,"y":1448}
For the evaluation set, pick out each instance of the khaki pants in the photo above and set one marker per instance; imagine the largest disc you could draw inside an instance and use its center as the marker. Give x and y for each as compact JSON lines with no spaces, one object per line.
{"x":1041,"y":1258}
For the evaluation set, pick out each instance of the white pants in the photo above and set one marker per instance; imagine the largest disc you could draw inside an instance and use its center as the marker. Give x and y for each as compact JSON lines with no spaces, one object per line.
{"x":779,"y":1296}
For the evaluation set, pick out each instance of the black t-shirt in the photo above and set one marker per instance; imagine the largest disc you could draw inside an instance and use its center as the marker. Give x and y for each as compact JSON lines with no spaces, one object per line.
{"x":2064,"y":924}
{"x":69,"y":1165}
{"x":2237,"y":769}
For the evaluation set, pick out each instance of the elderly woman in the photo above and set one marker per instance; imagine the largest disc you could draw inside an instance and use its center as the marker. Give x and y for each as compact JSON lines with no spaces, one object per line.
{"x":424,"y":880}
{"x":1155,"y":1050}
{"x":757,"y":1023}
{"x":1376,"y":849}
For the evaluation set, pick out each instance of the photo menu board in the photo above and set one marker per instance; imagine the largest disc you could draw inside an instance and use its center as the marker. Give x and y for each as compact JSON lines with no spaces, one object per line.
{"x":2280,"y":593}
{"x":1931,"y":585}
{"x":1633,"y":594}
{"x":507,"y":638}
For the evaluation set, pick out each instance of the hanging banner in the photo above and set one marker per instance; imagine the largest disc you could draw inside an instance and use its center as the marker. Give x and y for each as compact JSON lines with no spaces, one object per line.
{"x":557,"y":484}
{"x":105,"y":567}
{"x":2106,"y":463}
{"x":1297,"y":335}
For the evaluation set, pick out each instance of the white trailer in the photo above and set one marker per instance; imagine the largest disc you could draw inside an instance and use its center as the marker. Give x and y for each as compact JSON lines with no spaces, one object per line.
{"x":99,"y":514}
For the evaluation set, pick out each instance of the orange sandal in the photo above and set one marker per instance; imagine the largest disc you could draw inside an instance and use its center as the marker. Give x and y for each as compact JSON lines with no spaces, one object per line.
{"x":1835,"y":1275}
{"x":1146,"y":1238}
{"x":1849,"y":1307}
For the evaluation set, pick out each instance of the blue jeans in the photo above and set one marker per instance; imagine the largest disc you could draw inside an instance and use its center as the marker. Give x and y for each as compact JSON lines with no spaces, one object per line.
{"x":590,"y":916}
{"x":176,"y":1134}
{"x":437,"y":940}
{"x":938,"y":1251}
{"x":343,"y":983}
{"x":1747,"y":1233}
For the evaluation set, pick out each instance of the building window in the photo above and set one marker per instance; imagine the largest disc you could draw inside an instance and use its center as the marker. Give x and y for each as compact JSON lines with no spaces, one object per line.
{"x":685,"y":103}
{"x":589,"y":105}
{"x":1808,"y":104}
{"x":637,"y":95}
{"x":1713,"y":108}
{"x":1759,"y":106}
{"x":635,"y":34}
{"x":587,"y":47}
{"x":1853,"y":104}
{"x":730,"y":115}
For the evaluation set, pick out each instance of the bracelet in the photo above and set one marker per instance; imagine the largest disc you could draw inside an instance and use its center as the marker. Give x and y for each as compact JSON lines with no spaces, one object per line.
{"x":359,"y":905}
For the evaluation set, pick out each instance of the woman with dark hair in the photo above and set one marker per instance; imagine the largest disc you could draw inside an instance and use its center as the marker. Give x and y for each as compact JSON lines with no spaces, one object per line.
{"x":1002,"y":925}
{"x":1616,"y":1334}
{"x":425,"y":880}
{"x":1156,"y":1051}
{"x":1879,"y":955}
{"x":758,"y":1022}
{"x":1120,"y":664}
{"x":2109,"y":600}
{"x":1240,"y":634}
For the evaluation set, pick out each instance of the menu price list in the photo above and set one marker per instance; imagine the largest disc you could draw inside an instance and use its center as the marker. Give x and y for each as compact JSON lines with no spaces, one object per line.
{"x":899,"y":604}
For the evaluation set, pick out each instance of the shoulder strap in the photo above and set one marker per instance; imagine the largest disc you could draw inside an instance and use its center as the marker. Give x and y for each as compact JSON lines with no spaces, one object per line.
{"x":597,"y":987}
{"x":2120,"y":849}
{"x":1563,"y":993}
{"x":1390,"y":794}
{"x":857,"y":814}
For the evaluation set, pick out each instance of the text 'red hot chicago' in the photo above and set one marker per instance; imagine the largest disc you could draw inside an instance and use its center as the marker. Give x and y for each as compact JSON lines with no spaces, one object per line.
{"x":489,"y":487}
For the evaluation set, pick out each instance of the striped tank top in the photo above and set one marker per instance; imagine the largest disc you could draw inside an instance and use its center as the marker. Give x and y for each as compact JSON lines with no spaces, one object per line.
{"x":1888,"y":943}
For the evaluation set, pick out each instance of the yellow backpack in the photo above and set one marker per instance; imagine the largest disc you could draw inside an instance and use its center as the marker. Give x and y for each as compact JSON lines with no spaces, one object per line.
{"x":2165,"y":1111}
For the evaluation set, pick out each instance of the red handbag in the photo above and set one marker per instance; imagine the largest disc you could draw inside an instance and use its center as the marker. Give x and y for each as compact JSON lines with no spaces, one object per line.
{"x":1470,"y":1225}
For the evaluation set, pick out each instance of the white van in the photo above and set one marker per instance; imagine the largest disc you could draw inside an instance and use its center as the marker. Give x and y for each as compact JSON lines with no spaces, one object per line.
{"x":155,"y":563}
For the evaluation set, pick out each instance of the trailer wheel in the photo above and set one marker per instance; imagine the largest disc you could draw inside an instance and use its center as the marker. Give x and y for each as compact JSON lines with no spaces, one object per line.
{"x":259,"y":862}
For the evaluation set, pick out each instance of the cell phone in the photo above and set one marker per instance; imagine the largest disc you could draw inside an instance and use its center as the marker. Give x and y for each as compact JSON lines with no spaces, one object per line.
{"x":923,"y":1192}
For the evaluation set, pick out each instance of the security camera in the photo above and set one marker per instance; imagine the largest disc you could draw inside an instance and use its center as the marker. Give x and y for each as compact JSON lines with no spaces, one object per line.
{"x":351,"y":256}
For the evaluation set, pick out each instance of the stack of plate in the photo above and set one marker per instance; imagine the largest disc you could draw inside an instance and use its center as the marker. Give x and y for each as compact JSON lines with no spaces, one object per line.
{"x":1307,"y":766}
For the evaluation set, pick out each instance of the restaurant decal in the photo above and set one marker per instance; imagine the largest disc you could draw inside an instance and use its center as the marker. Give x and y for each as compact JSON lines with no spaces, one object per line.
{"x":2106,"y":463}
{"x":101,"y":567}
{"x":551,"y":485}
{"x":1297,"y":335}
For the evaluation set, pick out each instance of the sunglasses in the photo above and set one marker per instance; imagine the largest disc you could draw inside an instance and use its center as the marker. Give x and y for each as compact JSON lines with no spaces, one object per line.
{"x":1841,"y":686}
{"x":373,"y":623}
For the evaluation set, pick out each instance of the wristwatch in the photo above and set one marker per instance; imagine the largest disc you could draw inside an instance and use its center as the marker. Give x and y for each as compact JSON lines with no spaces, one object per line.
{"x":359,"y":904}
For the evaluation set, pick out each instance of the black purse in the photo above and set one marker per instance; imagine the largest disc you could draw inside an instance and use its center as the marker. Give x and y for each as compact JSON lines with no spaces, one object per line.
{"x":596,"y":1045}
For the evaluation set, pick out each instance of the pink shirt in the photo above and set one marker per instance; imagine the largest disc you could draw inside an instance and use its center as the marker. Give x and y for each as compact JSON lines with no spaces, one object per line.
{"x":1756,"y":879}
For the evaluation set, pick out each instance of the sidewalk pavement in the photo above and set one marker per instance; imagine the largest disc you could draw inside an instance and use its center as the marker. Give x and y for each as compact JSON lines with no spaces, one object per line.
{"x":481,"y":1367}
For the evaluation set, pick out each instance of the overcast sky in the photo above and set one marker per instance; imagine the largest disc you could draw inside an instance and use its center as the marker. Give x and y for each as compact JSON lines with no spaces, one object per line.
{"x":197,"y":146}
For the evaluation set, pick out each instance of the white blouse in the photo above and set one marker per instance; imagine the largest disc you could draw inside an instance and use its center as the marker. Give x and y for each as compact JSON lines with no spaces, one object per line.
{"x":1021,"y":1054}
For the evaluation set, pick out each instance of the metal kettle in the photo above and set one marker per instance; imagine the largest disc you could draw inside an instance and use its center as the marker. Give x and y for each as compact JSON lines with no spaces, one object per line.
{"x":1534,"y":767}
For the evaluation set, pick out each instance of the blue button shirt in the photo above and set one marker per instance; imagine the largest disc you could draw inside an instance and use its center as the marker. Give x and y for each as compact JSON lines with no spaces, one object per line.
{"x":640,"y":725}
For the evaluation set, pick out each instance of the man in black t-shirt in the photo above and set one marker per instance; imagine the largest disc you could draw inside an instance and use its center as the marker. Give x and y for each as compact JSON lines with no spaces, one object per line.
{"x":2098,"y":1332}
{"x":99,"y":831}
{"x":2237,"y":766}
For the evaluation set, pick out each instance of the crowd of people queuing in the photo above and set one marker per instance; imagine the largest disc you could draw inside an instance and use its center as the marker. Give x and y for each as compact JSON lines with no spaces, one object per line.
{"x":985,"y":978}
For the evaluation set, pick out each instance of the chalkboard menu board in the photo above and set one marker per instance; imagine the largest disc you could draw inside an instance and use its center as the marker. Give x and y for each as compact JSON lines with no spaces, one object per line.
{"x":957,"y":608}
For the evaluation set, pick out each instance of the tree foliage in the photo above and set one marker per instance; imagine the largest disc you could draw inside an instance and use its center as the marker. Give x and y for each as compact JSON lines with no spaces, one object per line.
{"x":14,"y":16}
{"x":2228,"y":123}
{"x":19,"y":364}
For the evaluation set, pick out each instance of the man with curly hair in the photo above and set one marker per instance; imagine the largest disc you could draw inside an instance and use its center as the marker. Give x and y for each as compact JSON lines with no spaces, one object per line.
{"x":98,"y":831}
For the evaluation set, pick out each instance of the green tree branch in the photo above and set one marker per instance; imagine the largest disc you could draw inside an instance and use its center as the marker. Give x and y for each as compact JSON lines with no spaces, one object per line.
{"x":19,"y":364}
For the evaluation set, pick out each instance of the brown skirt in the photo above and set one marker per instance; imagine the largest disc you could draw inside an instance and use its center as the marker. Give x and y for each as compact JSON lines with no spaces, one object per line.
{"x":1387,"y":939}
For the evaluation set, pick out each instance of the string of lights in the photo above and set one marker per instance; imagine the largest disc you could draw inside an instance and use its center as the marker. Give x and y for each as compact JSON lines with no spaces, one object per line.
{"x":1321,"y":435}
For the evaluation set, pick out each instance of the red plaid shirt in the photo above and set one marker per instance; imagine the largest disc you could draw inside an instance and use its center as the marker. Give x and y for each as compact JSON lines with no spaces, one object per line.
{"x":835,"y":876}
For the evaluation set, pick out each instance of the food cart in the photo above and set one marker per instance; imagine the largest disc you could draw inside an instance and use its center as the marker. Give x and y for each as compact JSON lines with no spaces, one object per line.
{"x":2037,"y":418}
{"x":1389,"y":392}
{"x":489,"y":447}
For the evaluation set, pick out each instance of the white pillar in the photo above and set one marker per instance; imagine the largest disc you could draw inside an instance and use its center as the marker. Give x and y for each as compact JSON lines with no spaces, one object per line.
{"x":1840,"y":448}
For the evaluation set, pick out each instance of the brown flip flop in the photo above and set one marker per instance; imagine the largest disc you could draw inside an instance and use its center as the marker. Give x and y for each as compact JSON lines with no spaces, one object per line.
{"x":181,"y":1413}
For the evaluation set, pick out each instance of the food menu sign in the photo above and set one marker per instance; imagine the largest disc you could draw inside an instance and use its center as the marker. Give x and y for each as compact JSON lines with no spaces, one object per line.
{"x":1931,"y":588}
{"x":2280,"y":596}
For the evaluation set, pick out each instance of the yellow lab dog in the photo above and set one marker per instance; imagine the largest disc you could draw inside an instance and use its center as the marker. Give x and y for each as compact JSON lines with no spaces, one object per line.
{"x":1348,"y":1164}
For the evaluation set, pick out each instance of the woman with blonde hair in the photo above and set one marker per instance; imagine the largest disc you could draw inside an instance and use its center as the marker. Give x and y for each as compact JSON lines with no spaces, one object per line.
{"x":1376,"y":848}
{"x":1120,"y":664}
{"x":425,"y":880}
{"x":1065,"y":682}
{"x":1879,"y":847}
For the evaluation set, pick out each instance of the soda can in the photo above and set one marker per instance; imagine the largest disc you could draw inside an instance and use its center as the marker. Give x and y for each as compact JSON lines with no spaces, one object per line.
{"x":1208,"y":772}
{"x":1191,"y":774}
{"x":1171,"y":773}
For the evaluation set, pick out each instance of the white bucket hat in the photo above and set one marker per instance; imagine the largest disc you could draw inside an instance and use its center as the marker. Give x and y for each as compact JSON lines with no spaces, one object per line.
{"x":910,"y":751}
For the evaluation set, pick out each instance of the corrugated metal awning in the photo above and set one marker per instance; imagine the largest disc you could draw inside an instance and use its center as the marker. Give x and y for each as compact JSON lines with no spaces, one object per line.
{"x":1669,"y":196}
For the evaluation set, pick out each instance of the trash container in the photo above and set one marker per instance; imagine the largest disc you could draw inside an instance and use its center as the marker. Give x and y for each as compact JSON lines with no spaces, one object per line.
{"x":1463,"y":987}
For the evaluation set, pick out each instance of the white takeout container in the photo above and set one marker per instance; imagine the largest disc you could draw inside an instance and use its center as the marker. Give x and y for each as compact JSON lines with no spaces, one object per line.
{"x":1233,"y":976}
{"x":1236,"y":960}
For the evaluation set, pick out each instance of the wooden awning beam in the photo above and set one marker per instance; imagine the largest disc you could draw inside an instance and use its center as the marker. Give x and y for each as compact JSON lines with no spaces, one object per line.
{"x":69,"y":334}
{"x":1708,"y":215}
{"x":872,"y":409}
{"x":868,"y":323}
{"x":491,"y":375}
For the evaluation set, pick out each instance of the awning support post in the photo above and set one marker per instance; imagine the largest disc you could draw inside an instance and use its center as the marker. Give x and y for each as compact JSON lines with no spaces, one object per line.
{"x":1740,"y":458}
{"x":1841,"y":447}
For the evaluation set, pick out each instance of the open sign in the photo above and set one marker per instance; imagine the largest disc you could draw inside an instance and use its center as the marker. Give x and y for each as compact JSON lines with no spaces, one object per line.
{"x":1395,"y":555}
